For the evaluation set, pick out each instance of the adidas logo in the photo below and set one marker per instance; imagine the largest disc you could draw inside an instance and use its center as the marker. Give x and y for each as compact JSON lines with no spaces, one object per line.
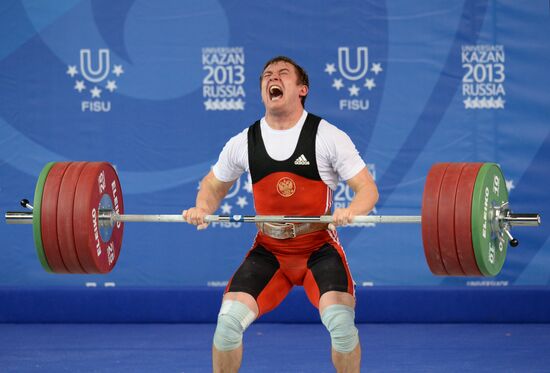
{"x":301,"y":161}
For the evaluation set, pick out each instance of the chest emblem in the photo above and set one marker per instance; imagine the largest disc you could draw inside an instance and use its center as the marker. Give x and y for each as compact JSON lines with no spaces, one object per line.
{"x":286,"y":187}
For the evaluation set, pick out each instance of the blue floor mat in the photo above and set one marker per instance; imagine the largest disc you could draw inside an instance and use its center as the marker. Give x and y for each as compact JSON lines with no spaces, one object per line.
{"x":273,"y":348}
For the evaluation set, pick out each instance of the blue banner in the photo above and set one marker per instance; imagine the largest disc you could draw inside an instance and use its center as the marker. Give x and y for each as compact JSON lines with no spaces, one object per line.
{"x":157,"y":88}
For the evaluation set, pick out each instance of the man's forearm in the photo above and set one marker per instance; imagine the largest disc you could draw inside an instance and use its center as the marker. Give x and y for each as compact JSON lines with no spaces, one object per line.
{"x":211,"y":193}
{"x":364,"y":200}
{"x":208,"y":201}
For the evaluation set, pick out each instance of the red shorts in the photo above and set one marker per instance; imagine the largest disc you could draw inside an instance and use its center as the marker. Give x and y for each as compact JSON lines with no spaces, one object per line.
{"x":272,"y":267}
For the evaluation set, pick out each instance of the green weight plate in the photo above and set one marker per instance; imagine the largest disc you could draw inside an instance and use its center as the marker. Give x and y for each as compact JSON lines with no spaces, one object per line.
{"x":36,"y":213}
{"x":489,"y":246}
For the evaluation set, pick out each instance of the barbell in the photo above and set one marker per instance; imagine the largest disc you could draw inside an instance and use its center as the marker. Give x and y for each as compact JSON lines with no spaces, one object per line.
{"x":78,"y":218}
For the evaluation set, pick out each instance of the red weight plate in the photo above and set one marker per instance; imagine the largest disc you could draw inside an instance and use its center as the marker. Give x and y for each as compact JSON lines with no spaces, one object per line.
{"x":446,"y":219}
{"x":430,"y":205}
{"x":98,"y":184}
{"x":49,"y":217}
{"x":65,"y":202}
{"x":463,"y":219}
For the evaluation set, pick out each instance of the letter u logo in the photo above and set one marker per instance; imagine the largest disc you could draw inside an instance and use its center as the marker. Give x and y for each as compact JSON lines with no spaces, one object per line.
{"x":361,"y":66}
{"x":103,"y":65}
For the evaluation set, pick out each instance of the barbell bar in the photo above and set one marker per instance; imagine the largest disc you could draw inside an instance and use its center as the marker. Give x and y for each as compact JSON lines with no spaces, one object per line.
{"x":108,"y":218}
{"x":462,"y":239}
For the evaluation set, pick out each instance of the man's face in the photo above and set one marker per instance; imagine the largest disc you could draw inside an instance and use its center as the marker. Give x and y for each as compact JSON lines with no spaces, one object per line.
{"x":280,"y":87}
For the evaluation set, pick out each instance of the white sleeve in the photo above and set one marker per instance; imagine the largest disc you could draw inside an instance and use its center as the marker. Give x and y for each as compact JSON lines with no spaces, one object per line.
{"x":339,"y":152}
{"x":233,"y":159}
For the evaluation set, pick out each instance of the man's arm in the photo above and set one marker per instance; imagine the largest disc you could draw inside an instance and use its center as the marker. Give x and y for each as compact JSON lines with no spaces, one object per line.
{"x":211,"y":193}
{"x":366,"y":196}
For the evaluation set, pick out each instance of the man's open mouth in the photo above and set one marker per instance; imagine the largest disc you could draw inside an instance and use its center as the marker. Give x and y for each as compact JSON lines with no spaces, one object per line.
{"x":275,"y":92}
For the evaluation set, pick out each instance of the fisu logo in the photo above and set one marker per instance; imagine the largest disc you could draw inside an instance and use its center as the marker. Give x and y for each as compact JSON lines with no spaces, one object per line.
{"x":94,"y":77}
{"x":352,"y":76}
{"x":361,"y":64}
{"x":100,"y":73}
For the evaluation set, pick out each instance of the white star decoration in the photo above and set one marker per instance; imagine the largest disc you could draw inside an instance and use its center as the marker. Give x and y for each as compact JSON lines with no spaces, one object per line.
{"x":96,"y":92}
{"x":353,"y":90}
{"x":79,"y":86}
{"x":117,"y":70}
{"x":95,"y":88}
{"x":226,"y":208}
{"x":330,"y":69}
{"x":369,"y":83}
{"x":484,"y":103}
{"x":224,"y":104}
{"x":242,"y":202}
{"x":510,"y":185}
{"x":376,"y":68}
{"x":111,"y":85}
{"x":338,"y":84}
{"x":71,"y":70}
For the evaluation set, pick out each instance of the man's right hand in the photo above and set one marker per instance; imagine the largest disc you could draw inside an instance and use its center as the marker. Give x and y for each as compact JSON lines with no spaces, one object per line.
{"x":195,"y":216}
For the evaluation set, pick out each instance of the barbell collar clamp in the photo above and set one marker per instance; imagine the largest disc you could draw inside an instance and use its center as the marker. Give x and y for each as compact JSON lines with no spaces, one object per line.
{"x":26,"y":204}
{"x":513,"y":241}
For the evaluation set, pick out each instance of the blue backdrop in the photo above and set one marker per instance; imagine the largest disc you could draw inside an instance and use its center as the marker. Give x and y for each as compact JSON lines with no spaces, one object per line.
{"x":158,"y":87}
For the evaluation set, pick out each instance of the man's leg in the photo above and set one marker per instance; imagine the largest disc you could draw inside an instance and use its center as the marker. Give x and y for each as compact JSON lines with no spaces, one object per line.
{"x":257,"y":284}
{"x":238,"y":311}
{"x":330,"y":287}
{"x":337,"y":312}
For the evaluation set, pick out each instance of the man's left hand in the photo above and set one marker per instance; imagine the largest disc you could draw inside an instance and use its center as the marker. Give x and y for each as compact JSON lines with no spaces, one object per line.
{"x":342,"y":217}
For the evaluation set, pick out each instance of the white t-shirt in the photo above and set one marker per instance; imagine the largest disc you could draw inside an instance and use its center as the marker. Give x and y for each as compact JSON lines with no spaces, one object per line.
{"x":336,"y":154}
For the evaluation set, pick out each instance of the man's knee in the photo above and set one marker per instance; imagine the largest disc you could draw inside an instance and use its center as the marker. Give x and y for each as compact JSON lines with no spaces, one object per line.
{"x":233,"y":319}
{"x":339,"y":319}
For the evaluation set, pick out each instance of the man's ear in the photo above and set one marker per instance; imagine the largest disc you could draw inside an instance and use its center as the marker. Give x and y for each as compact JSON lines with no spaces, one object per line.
{"x":304,"y":90}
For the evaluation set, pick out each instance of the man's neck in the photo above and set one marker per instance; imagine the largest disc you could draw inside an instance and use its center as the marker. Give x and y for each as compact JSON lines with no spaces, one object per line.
{"x":283,"y":121}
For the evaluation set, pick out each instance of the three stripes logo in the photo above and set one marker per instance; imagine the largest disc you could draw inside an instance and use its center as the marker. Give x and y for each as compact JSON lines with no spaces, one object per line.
{"x":301,"y":161}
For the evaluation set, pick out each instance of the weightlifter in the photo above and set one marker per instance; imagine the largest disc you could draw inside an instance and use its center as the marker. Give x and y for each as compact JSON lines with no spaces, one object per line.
{"x":295,"y":160}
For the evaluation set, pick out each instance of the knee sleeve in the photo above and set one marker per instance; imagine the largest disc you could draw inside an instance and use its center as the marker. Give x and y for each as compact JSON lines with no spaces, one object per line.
{"x":233,"y":319}
{"x":340,"y":322}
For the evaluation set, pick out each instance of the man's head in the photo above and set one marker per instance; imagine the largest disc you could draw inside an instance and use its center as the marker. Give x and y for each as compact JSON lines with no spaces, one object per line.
{"x":283,"y":81}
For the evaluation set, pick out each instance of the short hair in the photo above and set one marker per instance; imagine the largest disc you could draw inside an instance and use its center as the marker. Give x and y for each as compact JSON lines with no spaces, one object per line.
{"x":302,"y":74}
